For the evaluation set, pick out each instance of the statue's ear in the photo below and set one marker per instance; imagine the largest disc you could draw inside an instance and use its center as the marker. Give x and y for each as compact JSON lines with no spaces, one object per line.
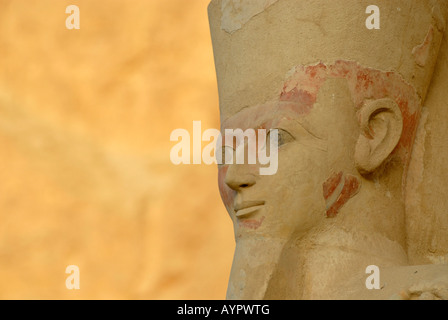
{"x":381,"y":124}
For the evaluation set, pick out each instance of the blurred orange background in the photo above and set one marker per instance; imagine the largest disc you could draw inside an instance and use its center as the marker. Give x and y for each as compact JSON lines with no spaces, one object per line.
{"x":86,"y":177}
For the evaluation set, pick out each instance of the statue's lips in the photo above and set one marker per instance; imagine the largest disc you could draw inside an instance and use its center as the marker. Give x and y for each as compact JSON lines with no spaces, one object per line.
{"x":248,"y":207}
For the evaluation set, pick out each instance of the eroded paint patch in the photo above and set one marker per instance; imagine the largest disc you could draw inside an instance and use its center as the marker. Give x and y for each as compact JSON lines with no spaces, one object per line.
{"x":236,"y":13}
{"x":331,"y":184}
{"x":252,"y":224}
{"x":300,"y":101}
{"x":338,"y":190}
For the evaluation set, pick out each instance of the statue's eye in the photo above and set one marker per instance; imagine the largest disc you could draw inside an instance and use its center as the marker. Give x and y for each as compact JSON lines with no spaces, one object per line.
{"x":284,"y":137}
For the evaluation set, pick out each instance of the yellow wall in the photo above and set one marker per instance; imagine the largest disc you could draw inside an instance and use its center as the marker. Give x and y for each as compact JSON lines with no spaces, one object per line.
{"x":86,"y":179}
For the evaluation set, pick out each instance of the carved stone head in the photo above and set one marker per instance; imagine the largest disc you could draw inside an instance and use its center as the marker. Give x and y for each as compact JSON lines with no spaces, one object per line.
{"x":346,"y":102}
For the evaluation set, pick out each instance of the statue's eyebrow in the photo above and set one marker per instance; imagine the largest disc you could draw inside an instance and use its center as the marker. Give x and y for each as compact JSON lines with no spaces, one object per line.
{"x":296,"y":120}
{"x":308,"y":130}
{"x":320,"y":143}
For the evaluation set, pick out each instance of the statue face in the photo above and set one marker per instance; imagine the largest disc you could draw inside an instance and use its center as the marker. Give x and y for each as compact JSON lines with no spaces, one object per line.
{"x":290,"y":202}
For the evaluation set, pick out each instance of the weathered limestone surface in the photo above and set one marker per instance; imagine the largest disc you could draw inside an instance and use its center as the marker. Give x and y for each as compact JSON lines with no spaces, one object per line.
{"x":362,"y":160}
{"x":427,"y":203}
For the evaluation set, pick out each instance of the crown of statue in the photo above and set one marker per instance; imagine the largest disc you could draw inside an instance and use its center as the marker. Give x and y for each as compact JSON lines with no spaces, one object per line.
{"x":257,"y":43}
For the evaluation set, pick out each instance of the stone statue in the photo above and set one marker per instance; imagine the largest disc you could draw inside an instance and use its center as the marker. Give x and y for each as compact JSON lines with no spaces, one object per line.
{"x":346,"y":101}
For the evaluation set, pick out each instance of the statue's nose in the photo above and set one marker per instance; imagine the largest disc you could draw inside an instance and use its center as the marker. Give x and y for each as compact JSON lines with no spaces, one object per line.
{"x":238,"y":178}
